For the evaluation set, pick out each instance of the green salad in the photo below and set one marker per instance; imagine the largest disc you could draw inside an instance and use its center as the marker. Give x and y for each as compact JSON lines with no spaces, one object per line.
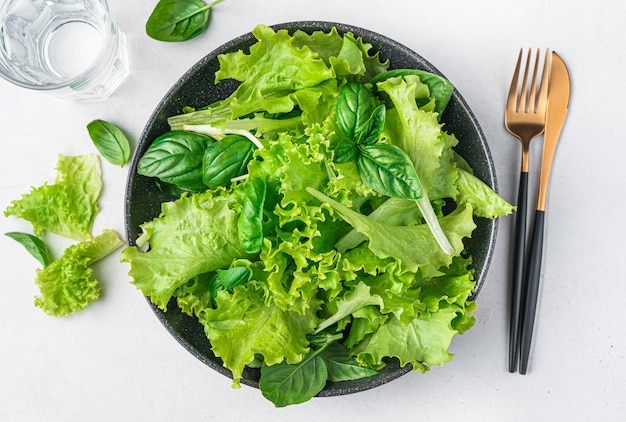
{"x":320,"y":216}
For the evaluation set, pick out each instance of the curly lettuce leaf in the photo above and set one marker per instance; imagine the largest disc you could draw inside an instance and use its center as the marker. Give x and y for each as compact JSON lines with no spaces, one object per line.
{"x":195,"y":296}
{"x":443,"y":309}
{"x":346,"y":54}
{"x":244,"y":324}
{"x":481,"y":197}
{"x":272,"y":71}
{"x":194,"y":235}
{"x":412,"y":246}
{"x":351,"y":302}
{"x":422,"y":342}
{"x":69,"y":206}
{"x":66,"y":285}
{"x":297,"y":258}
{"x":453,"y":288}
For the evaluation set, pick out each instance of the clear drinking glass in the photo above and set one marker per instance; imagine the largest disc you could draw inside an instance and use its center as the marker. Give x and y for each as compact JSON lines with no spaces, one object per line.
{"x":68,"y":48}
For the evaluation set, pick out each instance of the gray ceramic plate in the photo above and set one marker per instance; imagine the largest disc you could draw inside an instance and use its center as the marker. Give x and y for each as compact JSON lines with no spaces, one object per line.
{"x":196,"y":89}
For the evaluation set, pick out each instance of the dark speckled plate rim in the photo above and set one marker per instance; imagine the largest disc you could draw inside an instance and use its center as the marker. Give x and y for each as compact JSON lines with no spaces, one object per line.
{"x":387,"y":48}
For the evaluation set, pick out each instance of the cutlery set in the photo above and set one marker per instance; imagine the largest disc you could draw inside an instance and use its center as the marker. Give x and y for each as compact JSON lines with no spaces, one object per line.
{"x":534,"y":108}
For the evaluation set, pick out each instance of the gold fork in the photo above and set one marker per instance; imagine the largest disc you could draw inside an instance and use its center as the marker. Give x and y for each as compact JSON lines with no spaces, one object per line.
{"x":524,"y":118}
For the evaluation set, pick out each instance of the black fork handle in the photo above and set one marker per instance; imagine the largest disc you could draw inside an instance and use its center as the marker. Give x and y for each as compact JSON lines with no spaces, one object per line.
{"x":519,"y":248}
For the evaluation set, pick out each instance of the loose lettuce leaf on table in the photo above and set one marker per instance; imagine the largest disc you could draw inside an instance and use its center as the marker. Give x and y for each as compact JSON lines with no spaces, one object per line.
{"x":69,"y":206}
{"x":66,"y":285}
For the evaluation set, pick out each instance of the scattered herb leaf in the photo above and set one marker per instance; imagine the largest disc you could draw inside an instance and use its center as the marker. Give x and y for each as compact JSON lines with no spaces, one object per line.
{"x":179,"y":20}
{"x":34,"y":245}
{"x":110,"y":142}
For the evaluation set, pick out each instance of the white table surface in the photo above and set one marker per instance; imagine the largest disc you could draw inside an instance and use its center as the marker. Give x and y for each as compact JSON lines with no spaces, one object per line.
{"x":114,"y":360}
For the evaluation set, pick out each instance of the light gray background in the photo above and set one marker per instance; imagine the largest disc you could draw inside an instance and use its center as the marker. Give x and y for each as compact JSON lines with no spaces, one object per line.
{"x":114,"y":361}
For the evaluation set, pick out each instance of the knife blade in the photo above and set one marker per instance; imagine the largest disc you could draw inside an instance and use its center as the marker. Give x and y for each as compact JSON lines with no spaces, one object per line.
{"x":559,"y":89}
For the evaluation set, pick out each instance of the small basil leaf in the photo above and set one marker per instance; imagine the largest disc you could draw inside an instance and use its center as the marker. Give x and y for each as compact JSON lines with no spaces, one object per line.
{"x":354,"y":109}
{"x":226,"y":159}
{"x":341,"y":367}
{"x":250,"y":222}
{"x":388,"y":170}
{"x":284,"y":384}
{"x":176,"y":157}
{"x":374,"y":126}
{"x":178,"y":20}
{"x":110,"y":141}
{"x":35,"y":246}
{"x":228,"y":280}
{"x":345,"y":151}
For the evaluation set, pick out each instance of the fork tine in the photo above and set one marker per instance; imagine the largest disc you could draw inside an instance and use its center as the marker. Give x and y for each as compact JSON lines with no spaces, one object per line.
{"x":532,"y":107}
{"x":512,"y":97}
{"x":523,"y":96}
{"x":543,"y":88}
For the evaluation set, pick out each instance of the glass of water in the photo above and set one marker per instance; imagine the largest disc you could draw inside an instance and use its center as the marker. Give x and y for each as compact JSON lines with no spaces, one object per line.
{"x":68,"y":48}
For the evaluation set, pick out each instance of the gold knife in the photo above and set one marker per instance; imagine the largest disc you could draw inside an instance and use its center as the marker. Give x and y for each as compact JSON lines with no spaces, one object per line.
{"x":558,"y":101}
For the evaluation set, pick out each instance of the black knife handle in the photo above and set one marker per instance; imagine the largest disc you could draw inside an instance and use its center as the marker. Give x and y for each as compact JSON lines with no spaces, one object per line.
{"x":531,"y":289}
{"x":519,"y":248}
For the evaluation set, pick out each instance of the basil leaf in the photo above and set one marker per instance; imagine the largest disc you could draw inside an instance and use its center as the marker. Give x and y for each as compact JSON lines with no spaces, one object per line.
{"x":345,"y":151}
{"x":284,"y":384}
{"x":176,"y":157}
{"x":178,"y":20}
{"x":341,"y":367}
{"x":170,"y":189}
{"x":35,"y":246}
{"x":354,"y":109}
{"x":226,"y":159}
{"x":110,"y":142}
{"x":228,"y":280}
{"x":374,"y":126}
{"x":388,"y":170}
{"x":250,"y":222}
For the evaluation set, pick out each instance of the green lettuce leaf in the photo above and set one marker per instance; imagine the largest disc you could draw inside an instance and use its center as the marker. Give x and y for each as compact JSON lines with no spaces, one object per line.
{"x":297,"y":258}
{"x":272,"y":71}
{"x":347,"y":55}
{"x":195,"y":296}
{"x":69,"y":206}
{"x":244,"y":324}
{"x":351,"y":302}
{"x":194,"y":235}
{"x":66,"y":285}
{"x":482,"y":198}
{"x":423,"y":342}
{"x":394,"y":212}
{"x":419,"y":134}
{"x":412,"y":246}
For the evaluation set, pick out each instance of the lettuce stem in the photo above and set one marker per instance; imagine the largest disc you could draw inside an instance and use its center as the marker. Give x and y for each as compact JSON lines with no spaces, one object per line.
{"x":212,"y":130}
{"x":433,"y":224}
